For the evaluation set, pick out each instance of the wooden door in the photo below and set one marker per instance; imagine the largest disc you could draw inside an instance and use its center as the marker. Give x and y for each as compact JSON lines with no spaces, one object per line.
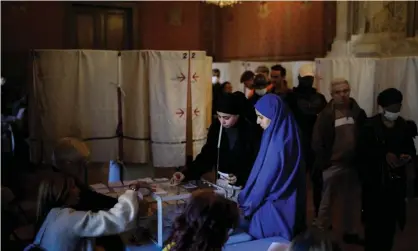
{"x":101,"y":27}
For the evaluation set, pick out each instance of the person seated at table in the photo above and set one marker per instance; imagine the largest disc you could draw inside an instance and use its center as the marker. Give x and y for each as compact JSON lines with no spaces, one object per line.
{"x":70,"y":157}
{"x":62,"y":228}
{"x":231,"y":147}
{"x":273,"y":200}
{"x":205,"y":223}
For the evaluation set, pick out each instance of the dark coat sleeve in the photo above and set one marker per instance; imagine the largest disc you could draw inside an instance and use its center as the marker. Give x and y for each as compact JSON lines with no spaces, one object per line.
{"x":206,"y":159}
{"x":255,"y":133}
{"x":94,"y":201}
{"x":323,"y":102}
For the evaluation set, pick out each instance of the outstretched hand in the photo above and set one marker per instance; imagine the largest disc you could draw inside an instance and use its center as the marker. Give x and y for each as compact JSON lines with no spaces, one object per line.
{"x":232,"y":179}
{"x":139,"y":184}
{"x":177,"y":178}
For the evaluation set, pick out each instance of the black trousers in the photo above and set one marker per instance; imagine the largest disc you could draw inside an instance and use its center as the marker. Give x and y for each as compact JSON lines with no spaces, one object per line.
{"x":317,"y":184}
{"x":316,"y":180}
{"x":91,"y":200}
{"x":379,"y":232}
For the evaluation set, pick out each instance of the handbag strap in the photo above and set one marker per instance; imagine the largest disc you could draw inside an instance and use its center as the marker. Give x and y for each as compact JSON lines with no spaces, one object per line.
{"x":42,"y":231}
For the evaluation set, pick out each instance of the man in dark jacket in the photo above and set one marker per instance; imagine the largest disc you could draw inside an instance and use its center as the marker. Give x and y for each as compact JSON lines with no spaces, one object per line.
{"x":387,"y":148}
{"x":231,"y":147}
{"x":306,"y":103}
{"x":334,"y":142}
{"x":260,"y":88}
{"x":278,"y":80}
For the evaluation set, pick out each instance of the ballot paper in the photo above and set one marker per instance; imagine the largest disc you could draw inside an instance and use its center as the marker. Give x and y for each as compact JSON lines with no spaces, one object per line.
{"x":102,"y":190}
{"x":116,"y":184}
{"x":147,"y":180}
{"x":119,"y":189}
{"x":98,"y":186}
{"x":161,"y":179}
{"x":156,"y":189}
{"x":275,"y":246}
{"x":189,"y":186}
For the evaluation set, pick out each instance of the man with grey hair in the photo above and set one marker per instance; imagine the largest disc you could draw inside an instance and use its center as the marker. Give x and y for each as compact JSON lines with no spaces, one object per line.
{"x":334,"y":141}
{"x":262,"y":69}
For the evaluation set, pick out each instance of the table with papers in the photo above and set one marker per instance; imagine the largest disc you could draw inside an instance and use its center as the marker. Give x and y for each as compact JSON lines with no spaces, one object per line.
{"x":165,"y":201}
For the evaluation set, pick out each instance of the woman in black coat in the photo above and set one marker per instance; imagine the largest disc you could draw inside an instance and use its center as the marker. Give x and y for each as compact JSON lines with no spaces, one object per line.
{"x":231,"y":148}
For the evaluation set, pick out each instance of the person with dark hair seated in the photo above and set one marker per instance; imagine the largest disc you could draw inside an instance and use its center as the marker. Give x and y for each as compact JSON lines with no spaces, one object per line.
{"x":260,"y":88}
{"x":386,"y":151}
{"x":205,"y":223}
{"x":63,"y":228}
{"x":231,"y":147}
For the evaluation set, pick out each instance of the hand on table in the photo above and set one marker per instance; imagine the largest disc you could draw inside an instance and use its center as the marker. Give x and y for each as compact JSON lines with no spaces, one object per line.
{"x":232,"y":179}
{"x":139,"y":184}
{"x":177,"y":178}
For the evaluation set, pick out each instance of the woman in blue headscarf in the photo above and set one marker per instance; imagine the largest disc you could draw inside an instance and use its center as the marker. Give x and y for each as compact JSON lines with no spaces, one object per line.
{"x":274,"y":197}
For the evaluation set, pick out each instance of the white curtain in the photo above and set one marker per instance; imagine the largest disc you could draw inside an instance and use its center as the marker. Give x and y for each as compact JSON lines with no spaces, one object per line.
{"x":74,"y":94}
{"x":201,"y":99}
{"x":209,"y":92}
{"x":400,"y":73}
{"x":168,"y":71}
{"x":136,"y":111}
{"x":360,"y":73}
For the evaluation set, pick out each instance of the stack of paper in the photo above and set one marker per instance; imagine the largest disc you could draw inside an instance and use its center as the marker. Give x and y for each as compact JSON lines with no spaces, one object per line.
{"x":100,"y":188}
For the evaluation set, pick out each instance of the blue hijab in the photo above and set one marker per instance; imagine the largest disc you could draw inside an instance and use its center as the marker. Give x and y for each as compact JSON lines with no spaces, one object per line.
{"x":278,"y":170}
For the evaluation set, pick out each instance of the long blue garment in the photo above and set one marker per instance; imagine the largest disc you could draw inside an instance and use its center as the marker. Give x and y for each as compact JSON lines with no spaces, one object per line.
{"x":274,"y":197}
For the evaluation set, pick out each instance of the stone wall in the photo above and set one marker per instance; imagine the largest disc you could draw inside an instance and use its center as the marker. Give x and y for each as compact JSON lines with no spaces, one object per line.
{"x":375,"y":29}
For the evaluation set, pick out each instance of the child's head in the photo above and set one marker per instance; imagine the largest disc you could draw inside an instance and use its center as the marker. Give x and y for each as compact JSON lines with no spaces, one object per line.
{"x":205,"y":223}
{"x":313,"y":240}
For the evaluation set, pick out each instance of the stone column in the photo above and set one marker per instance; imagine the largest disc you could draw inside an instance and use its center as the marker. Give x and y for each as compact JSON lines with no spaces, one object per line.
{"x":342,"y":21}
{"x":339,"y":46}
{"x":373,"y":29}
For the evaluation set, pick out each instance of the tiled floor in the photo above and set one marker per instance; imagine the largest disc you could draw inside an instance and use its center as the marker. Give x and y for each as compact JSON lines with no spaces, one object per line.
{"x":405,"y":241}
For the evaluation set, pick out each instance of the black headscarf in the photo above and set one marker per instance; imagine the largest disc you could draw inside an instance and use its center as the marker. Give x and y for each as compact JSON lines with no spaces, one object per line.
{"x":229,"y":103}
{"x":389,"y":97}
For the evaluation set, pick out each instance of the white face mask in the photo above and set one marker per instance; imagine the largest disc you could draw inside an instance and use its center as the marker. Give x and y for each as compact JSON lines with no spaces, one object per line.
{"x":214,"y":80}
{"x":391,"y":116}
{"x":261,"y":92}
